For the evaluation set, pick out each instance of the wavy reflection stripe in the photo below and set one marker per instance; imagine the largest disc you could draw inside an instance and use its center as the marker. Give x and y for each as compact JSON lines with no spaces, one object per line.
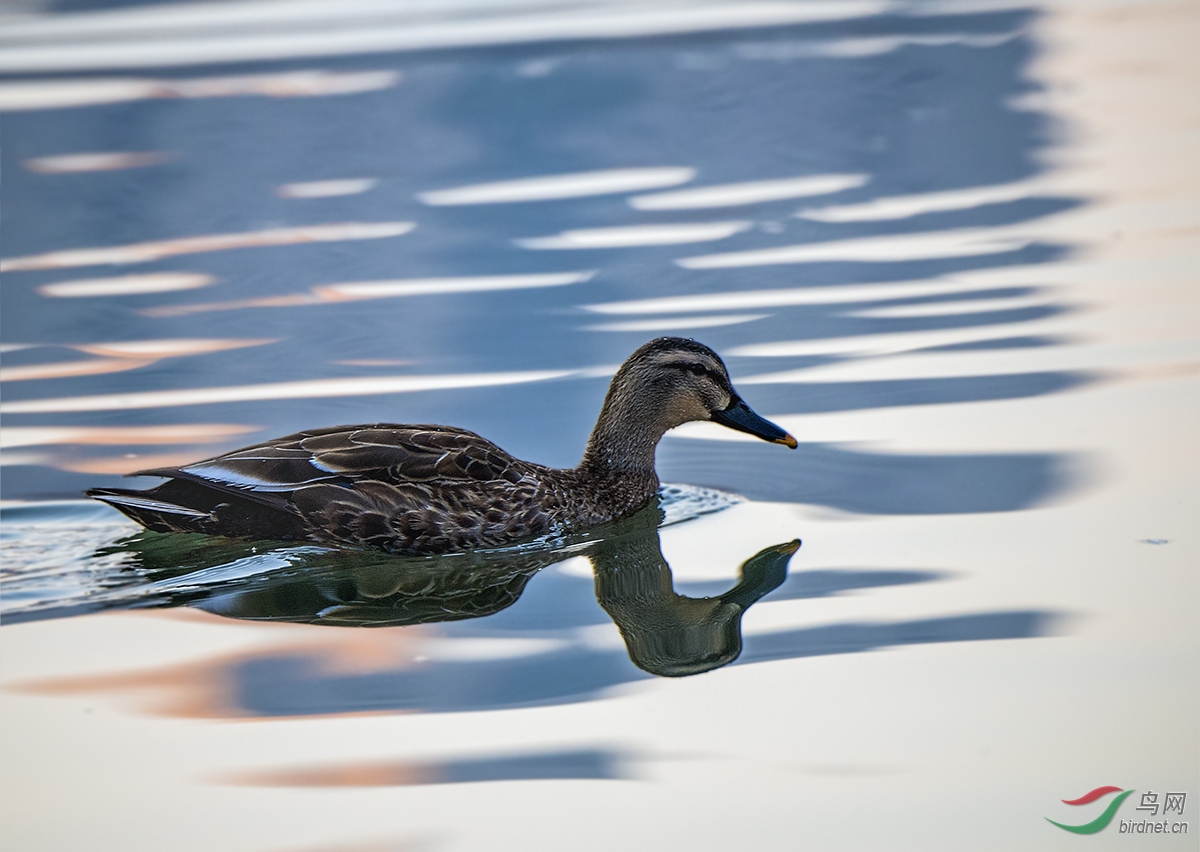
{"x":1100,"y":822}
{"x":636,"y":235}
{"x":1180,"y":353}
{"x":751,"y":192}
{"x":148,"y":251}
{"x":906,"y":206}
{"x":888,"y":344}
{"x":126,"y":285}
{"x":351,"y":291}
{"x":64,"y":93}
{"x":906,"y":247}
{"x":72,"y":369}
{"x":184,"y":433}
{"x":856,"y":48}
{"x":326,"y":188}
{"x":213,"y":34}
{"x":316,"y":388}
{"x":955,"y":307}
{"x":676,"y":323}
{"x":553,"y":187}
{"x":99,"y":161}
{"x":735,"y":300}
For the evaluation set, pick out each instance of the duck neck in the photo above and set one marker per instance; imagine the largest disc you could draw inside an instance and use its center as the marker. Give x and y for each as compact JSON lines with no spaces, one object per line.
{"x":622,"y":444}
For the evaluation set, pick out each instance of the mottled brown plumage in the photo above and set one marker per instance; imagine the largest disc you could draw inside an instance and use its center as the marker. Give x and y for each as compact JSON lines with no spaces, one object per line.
{"x":437,"y":489}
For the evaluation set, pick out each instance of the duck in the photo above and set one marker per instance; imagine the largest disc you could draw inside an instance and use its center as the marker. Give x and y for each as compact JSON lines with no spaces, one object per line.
{"x":427,"y":490}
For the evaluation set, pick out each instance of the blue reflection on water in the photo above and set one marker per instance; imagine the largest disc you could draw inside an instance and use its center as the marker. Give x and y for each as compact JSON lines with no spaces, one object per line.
{"x":927,"y":116}
{"x":923,"y":116}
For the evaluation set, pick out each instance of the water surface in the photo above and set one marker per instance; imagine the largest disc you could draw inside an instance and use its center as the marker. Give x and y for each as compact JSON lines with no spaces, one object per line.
{"x":933,"y":241}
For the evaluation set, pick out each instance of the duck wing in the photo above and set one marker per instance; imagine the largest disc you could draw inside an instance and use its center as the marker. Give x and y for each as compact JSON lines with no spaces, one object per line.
{"x":413,"y":489}
{"x":270,"y":473}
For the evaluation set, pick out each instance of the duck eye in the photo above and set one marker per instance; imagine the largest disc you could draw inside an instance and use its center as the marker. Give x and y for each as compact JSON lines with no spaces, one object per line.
{"x":697,"y":369}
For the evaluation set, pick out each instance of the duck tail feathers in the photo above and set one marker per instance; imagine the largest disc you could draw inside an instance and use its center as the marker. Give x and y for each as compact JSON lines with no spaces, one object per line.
{"x":153,"y":514}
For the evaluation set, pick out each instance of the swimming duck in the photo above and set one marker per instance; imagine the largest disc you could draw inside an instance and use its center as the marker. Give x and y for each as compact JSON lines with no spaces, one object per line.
{"x":437,"y":489}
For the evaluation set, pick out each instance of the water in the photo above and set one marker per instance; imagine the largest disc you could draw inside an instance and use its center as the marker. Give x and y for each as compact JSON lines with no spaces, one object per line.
{"x":938,"y":243}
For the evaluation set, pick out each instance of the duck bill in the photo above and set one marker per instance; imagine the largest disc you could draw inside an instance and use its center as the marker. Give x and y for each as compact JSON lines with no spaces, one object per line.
{"x":740,"y":416}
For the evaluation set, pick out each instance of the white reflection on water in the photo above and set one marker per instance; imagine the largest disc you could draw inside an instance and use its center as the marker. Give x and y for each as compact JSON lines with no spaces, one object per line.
{"x":180,"y":433}
{"x":96,"y":162}
{"x":853,"y":48}
{"x":550,"y":187}
{"x":231,"y":32}
{"x":906,"y":206}
{"x":149,"y":251}
{"x":444,"y":286}
{"x":172,"y":348}
{"x":126,"y":285}
{"x":60,"y":94}
{"x":68,"y":369}
{"x":350,"y":291}
{"x":753,"y":192}
{"x":120,"y":356}
{"x":885,"y":344}
{"x":326,"y":188}
{"x":637,"y":235}
{"x":676,"y":323}
{"x":1180,"y":353}
{"x":354,"y":386}
{"x":963,"y":242}
{"x":787,"y":297}
{"x":953,"y":308}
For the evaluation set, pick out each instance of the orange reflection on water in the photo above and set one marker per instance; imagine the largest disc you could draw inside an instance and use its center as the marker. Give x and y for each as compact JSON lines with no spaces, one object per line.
{"x":123,"y":465}
{"x":171,"y":348}
{"x":71,"y":369}
{"x":213,"y":687}
{"x":288,"y":301}
{"x":120,"y":356}
{"x":395,"y":774}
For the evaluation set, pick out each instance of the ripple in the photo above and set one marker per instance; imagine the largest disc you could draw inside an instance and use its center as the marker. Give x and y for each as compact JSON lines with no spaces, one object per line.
{"x":637,"y":235}
{"x":676,"y":323}
{"x":785,"y":297}
{"x":354,"y":290}
{"x":238,"y":32}
{"x":60,"y":94}
{"x":955,"y":308}
{"x":72,"y":369}
{"x":326,"y":188}
{"x":551,"y":187}
{"x":943,"y":244}
{"x":351,"y":291}
{"x":126,"y":285}
{"x":907,"y":206}
{"x":96,"y":162}
{"x":741,"y":194}
{"x":148,"y":251}
{"x":181,"y":433}
{"x":313,"y":388}
{"x":881,"y":344}
{"x":854,"y":48}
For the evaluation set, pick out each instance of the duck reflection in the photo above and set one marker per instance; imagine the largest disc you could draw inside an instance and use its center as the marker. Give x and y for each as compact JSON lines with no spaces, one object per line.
{"x":665,"y":633}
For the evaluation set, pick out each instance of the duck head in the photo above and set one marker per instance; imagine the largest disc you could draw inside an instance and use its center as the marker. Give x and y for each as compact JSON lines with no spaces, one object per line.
{"x":666,"y":383}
